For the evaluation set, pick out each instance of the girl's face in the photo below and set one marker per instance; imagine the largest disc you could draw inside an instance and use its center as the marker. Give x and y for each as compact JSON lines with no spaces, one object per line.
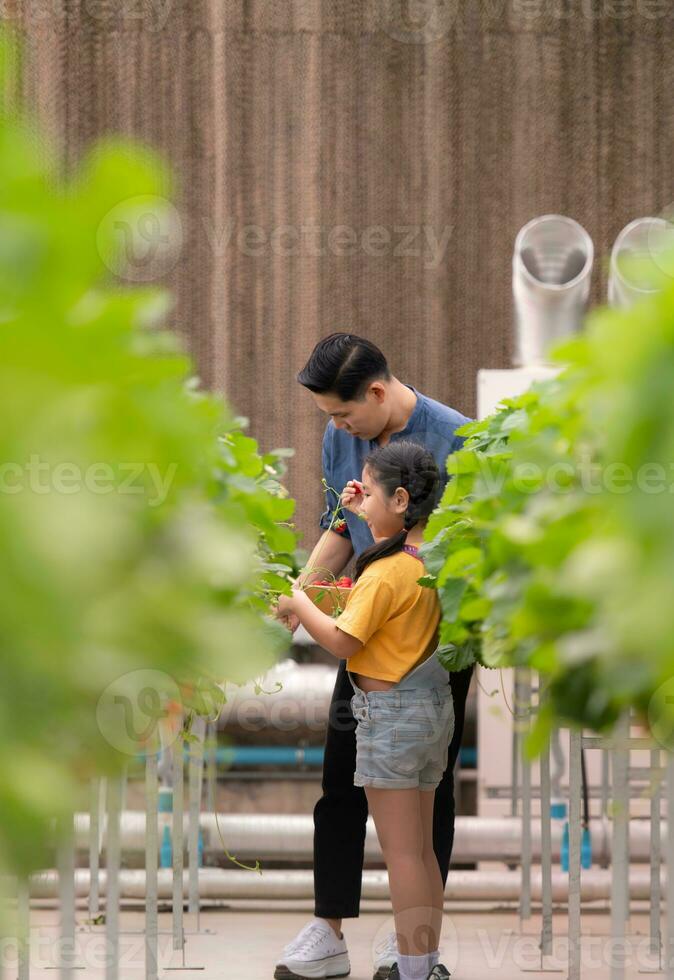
{"x":385,"y":515}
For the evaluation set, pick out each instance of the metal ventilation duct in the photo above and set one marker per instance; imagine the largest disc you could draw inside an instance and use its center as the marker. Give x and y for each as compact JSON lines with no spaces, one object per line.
{"x":637,"y":260}
{"x":552,"y":269}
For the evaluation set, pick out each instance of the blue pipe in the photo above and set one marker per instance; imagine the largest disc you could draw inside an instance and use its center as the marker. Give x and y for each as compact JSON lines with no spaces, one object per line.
{"x":281,"y":755}
{"x":269,"y":755}
{"x":288,"y":755}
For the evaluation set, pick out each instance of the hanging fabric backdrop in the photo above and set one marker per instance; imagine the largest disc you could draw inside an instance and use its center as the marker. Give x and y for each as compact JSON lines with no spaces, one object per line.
{"x":362,"y":165}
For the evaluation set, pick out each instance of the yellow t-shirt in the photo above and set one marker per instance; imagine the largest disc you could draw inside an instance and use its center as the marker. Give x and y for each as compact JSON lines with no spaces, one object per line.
{"x":392,"y":615}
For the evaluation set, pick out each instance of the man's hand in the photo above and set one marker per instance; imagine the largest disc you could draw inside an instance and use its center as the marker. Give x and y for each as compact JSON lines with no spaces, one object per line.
{"x":352,"y":496}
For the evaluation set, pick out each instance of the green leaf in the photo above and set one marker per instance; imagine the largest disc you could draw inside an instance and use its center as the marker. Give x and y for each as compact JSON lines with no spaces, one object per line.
{"x":474,"y":609}
{"x":456,"y":658}
{"x":451,"y":595}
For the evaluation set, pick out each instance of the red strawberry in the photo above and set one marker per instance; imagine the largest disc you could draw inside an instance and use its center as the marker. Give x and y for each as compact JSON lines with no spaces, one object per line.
{"x":339,"y":526}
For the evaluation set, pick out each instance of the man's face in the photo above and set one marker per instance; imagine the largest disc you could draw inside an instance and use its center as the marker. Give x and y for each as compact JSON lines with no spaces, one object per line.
{"x":365,"y":419}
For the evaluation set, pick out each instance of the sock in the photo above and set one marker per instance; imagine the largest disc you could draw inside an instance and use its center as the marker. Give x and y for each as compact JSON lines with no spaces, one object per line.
{"x":433,"y":959}
{"x":414,"y":967}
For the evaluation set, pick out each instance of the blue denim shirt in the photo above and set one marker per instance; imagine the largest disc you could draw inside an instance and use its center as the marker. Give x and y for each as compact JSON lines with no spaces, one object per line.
{"x":431,"y":424}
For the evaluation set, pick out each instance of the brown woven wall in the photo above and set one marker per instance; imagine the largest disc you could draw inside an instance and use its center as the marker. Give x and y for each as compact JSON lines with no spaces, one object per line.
{"x":288,"y":114}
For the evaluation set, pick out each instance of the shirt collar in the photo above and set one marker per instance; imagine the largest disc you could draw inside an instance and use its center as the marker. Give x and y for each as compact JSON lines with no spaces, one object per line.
{"x":413,"y":420}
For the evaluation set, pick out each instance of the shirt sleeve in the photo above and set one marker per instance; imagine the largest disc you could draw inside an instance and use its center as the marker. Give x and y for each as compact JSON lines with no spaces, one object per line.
{"x":456,"y":444}
{"x":458,"y":441}
{"x":370,"y":605}
{"x":331,"y":501}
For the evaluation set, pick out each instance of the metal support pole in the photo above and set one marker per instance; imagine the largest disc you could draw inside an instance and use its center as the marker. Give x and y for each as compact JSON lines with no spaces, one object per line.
{"x":4,"y":913}
{"x":211,"y":766}
{"x":546,"y":855}
{"x":546,"y":852}
{"x":23,"y":929}
{"x":178,"y":934}
{"x":605,"y":791}
{"x":523,"y":723}
{"x":113,"y":859}
{"x":669,"y":951}
{"x":66,"y":871}
{"x":94,"y":848}
{"x":151,"y":864}
{"x":196,"y":769}
{"x":515,"y":745}
{"x":656,"y":856}
{"x":178,"y":861}
{"x":620,"y":848}
{"x":575,"y":743}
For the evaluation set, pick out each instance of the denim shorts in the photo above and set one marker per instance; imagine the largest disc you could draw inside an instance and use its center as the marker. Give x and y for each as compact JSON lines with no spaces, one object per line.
{"x":403,"y":734}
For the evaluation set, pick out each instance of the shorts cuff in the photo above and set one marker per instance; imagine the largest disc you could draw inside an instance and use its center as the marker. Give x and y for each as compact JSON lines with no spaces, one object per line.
{"x":381,"y":782}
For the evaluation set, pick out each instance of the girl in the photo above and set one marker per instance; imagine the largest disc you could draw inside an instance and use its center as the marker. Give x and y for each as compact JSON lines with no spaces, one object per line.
{"x":402,"y":699}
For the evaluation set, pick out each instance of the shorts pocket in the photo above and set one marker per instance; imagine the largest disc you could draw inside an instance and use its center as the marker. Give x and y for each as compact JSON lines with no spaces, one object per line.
{"x":405,"y":754}
{"x":361,"y":713}
{"x":415,"y":730}
{"x":409,"y":746}
{"x":363,"y":729}
{"x":418,"y":737}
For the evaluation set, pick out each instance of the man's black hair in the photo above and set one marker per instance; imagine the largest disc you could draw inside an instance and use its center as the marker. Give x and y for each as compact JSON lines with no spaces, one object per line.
{"x":344,"y":365}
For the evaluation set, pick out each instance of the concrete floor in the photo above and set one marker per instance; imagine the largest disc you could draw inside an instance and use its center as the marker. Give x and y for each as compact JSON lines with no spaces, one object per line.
{"x":241,"y":941}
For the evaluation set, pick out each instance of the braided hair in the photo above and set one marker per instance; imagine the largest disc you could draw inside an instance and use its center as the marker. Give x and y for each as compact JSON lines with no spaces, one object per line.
{"x":409,"y":466}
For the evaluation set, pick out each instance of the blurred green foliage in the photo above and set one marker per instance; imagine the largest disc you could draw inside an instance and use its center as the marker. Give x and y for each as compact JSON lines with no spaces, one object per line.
{"x":553,"y":546}
{"x":140,"y":528}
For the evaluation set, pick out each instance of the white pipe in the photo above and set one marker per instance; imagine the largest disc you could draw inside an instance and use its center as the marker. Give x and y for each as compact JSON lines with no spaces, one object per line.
{"x":473,"y":886}
{"x":273,"y":837}
{"x":295,"y":699}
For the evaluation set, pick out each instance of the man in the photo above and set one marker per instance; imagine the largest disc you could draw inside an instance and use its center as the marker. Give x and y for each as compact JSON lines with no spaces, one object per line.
{"x":350,"y":381}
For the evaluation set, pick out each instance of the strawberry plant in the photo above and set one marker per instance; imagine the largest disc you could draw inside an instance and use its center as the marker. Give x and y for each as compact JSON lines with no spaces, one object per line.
{"x":552,"y":544}
{"x":140,"y":527}
{"x":327,"y":592}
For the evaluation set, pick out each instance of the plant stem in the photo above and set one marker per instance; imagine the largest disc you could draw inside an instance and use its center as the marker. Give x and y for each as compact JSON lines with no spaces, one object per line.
{"x":309,"y":571}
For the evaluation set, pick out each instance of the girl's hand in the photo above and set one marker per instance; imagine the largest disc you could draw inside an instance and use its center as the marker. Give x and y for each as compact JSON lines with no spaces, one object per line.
{"x":285,"y":606}
{"x":352,"y":496}
{"x":292,"y":622}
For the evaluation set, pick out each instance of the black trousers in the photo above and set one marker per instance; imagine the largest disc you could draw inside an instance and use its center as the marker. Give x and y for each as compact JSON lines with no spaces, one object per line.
{"x":341,"y":813}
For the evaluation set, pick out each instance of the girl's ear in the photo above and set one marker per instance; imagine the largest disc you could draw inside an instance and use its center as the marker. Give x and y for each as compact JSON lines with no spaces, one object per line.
{"x":401,"y":500}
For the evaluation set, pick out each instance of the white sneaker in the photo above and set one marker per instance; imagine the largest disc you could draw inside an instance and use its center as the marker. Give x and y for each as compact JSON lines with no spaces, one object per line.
{"x":385,"y":956}
{"x":289,"y":947}
{"x":315,"y":952}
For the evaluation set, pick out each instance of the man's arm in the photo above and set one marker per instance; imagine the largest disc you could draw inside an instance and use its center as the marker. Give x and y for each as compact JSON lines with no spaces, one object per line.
{"x":333,"y":558}
{"x":333,"y":552}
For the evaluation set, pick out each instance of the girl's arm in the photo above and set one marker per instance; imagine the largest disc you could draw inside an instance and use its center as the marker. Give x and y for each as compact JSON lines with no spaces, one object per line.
{"x":320,"y":626}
